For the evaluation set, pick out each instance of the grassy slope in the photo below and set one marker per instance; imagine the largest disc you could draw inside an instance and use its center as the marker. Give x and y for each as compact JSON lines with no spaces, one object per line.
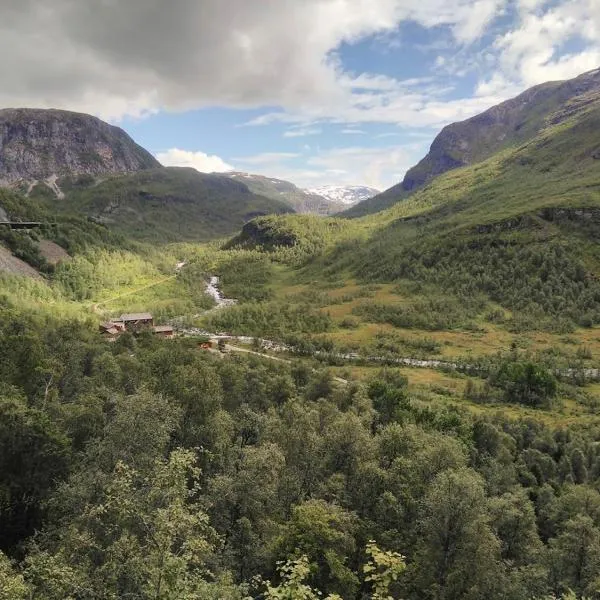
{"x":166,"y":204}
{"x":503,"y":127}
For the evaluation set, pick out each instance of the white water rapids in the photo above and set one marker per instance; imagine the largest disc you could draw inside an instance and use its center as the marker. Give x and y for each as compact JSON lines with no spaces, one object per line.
{"x":212,"y":289}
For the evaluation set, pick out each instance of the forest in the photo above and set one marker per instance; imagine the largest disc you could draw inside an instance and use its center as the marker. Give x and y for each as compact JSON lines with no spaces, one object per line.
{"x":148,"y":469}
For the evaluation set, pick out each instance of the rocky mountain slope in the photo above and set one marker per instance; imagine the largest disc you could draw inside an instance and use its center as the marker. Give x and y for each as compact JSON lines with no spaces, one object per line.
{"x":100,"y":173}
{"x":43,"y":145}
{"x":302,"y":201}
{"x":507,"y":125}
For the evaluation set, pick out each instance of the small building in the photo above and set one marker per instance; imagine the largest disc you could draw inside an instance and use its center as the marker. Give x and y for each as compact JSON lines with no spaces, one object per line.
{"x":137,"y":321}
{"x":110,"y":331}
{"x":165,"y":331}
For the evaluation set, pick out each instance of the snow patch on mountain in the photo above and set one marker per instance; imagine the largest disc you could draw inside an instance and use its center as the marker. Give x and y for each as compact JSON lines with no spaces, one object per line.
{"x":351,"y":194}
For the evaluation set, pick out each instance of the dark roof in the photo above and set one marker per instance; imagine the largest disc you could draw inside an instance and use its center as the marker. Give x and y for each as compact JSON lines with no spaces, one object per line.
{"x":136,"y":317}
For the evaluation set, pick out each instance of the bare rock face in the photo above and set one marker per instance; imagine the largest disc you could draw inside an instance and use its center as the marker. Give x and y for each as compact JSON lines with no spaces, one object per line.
{"x":45,"y":144}
{"x":511,"y":122}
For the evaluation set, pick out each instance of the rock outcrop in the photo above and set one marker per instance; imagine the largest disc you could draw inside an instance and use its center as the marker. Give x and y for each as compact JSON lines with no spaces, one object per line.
{"x":42,"y":145}
{"x":513,"y":121}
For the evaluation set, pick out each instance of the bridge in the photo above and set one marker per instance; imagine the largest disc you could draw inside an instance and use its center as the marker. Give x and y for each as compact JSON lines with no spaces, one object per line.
{"x":25,"y":224}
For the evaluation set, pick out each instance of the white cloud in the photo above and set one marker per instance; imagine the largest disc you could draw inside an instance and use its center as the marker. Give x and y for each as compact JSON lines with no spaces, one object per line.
{"x":376,"y":167}
{"x":302,"y":132}
{"x":533,"y":50}
{"x":198,"y":160}
{"x":267,"y":158}
{"x":350,"y":131}
{"x":408,"y":109}
{"x":133,"y":58}
{"x":475,"y":19}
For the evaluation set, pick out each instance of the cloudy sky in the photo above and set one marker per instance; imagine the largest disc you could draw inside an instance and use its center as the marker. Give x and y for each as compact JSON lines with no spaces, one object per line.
{"x":314,"y":91}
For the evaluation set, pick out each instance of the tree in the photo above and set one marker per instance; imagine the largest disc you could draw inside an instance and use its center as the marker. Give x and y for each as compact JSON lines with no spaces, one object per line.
{"x":575,"y":557}
{"x":144,"y":537}
{"x":324,"y":533}
{"x":34,"y":454}
{"x":513,"y":520}
{"x":526,"y":383}
{"x":293,"y":574}
{"x":12,"y":584}
{"x":389,"y":399}
{"x":382,"y":570}
{"x":457,"y":556}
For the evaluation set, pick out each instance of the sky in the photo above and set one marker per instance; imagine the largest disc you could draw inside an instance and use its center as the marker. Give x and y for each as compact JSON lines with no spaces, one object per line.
{"x":318,"y":92}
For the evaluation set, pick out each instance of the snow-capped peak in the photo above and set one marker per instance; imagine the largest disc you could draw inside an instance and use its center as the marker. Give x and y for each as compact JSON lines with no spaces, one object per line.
{"x":346,"y":194}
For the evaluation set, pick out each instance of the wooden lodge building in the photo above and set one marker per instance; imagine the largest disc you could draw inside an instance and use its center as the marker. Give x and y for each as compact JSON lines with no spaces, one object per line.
{"x":137,"y":321}
{"x":134,"y":323}
{"x":165,"y":331}
{"x":112,"y":329}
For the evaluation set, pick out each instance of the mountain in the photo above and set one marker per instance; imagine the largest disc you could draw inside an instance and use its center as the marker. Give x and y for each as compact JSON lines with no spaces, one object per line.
{"x":346,"y":195}
{"x":43,"y":145}
{"x":302,"y":201}
{"x":96,"y":170}
{"x":165,"y":204}
{"x":507,"y":125}
{"x":510,"y":240}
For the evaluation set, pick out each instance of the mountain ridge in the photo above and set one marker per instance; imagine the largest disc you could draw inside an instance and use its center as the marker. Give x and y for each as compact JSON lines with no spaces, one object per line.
{"x":348,"y":195}
{"x":507,"y":124}
{"x":301,"y":200}
{"x":324,"y":200}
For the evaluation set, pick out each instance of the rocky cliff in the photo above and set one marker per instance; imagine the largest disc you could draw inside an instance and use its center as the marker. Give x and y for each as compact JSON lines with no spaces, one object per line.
{"x":513,"y":121}
{"x":510,"y":123}
{"x":47,"y":144}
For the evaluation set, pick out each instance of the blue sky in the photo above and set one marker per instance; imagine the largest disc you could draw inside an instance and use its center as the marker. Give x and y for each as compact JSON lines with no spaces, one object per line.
{"x":315,"y":91}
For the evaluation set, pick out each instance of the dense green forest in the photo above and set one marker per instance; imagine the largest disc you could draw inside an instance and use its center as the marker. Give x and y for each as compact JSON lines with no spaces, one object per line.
{"x":148,"y":469}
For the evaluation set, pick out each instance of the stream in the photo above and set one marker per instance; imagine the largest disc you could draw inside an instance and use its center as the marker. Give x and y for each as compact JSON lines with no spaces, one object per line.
{"x":212,"y":289}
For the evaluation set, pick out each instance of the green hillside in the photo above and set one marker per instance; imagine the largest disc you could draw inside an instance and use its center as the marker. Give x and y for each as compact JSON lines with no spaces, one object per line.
{"x":506,"y":126}
{"x":163,"y":205}
{"x":505,"y":246}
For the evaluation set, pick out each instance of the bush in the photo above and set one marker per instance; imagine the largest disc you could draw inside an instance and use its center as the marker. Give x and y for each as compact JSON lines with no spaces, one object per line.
{"x":526,"y":383}
{"x":349,"y":323}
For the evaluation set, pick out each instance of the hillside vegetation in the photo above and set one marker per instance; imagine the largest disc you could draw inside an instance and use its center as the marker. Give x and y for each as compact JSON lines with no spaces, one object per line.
{"x":505,"y":126}
{"x":520,"y":228}
{"x":165,"y":204}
